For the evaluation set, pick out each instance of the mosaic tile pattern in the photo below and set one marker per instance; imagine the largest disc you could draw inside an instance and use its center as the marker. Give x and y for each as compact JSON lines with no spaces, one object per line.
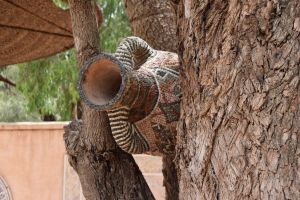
{"x":159,"y":127}
{"x":144,"y":112}
{"x":4,"y":190}
{"x":152,"y":96}
{"x":126,"y":134}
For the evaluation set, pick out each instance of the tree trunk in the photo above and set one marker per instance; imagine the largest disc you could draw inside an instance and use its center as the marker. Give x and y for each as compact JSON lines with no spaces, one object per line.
{"x":105,"y":172}
{"x":155,"y":22}
{"x":239,"y":131}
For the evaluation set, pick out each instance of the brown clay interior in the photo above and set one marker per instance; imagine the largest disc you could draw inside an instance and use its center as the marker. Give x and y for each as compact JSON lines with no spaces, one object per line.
{"x":102,"y":81}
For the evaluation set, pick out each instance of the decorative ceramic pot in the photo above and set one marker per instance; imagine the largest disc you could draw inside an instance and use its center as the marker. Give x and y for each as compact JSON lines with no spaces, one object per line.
{"x":139,"y":89}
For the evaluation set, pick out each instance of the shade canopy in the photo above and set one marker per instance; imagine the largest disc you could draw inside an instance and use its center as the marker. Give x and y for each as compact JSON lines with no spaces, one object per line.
{"x":32,"y":29}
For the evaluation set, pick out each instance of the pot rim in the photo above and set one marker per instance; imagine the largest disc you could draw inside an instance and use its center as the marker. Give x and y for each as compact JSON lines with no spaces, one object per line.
{"x":117,"y":97}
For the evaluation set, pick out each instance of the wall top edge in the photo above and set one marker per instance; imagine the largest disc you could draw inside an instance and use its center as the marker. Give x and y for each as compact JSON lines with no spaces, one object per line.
{"x":32,"y":126}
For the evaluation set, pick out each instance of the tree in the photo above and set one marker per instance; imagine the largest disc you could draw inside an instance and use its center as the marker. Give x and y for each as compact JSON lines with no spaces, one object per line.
{"x":105,"y":172}
{"x":155,"y":22}
{"x":12,"y":104}
{"x":239,"y":129}
{"x":52,"y":91}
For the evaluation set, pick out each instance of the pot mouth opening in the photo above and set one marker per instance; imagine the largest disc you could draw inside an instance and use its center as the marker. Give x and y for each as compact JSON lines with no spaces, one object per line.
{"x":102,"y":81}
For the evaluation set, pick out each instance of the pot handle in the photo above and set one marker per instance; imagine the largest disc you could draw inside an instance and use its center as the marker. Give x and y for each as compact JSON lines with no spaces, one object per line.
{"x":133,"y":52}
{"x":126,"y":134}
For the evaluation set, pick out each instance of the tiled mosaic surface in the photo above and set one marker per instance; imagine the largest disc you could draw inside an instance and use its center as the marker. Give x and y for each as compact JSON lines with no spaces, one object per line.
{"x":144,"y":109}
{"x":159,"y":127}
{"x":4,"y":190}
{"x":144,"y":119}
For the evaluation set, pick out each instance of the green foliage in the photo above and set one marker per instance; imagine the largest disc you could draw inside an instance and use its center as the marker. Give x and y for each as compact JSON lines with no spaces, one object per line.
{"x":60,"y":4}
{"x":116,"y":25}
{"x":48,"y":85}
{"x":12,"y":104}
{"x":14,"y":108}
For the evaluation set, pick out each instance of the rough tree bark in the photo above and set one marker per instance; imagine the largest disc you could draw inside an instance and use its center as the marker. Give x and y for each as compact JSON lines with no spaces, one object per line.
{"x":155,"y":22}
{"x":239,"y":132}
{"x":105,"y":172}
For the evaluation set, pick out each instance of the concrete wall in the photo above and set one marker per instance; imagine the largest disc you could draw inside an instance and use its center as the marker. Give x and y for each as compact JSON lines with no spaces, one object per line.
{"x":34,"y":165}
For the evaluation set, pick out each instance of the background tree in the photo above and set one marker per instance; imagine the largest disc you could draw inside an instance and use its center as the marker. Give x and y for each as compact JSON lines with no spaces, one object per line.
{"x":105,"y":172}
{"x":155,"y":22}
{"x":50,"y":92}
{"x":12,"y":103}
{"x":239,"y":131}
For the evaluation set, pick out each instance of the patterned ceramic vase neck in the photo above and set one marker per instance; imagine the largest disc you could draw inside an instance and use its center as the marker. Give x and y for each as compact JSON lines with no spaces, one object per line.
{"x":139,"y":89}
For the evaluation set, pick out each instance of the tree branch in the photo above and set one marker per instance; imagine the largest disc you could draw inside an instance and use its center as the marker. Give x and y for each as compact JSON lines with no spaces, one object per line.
{"x":105,"y":172}
{"x":6,"y":80}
